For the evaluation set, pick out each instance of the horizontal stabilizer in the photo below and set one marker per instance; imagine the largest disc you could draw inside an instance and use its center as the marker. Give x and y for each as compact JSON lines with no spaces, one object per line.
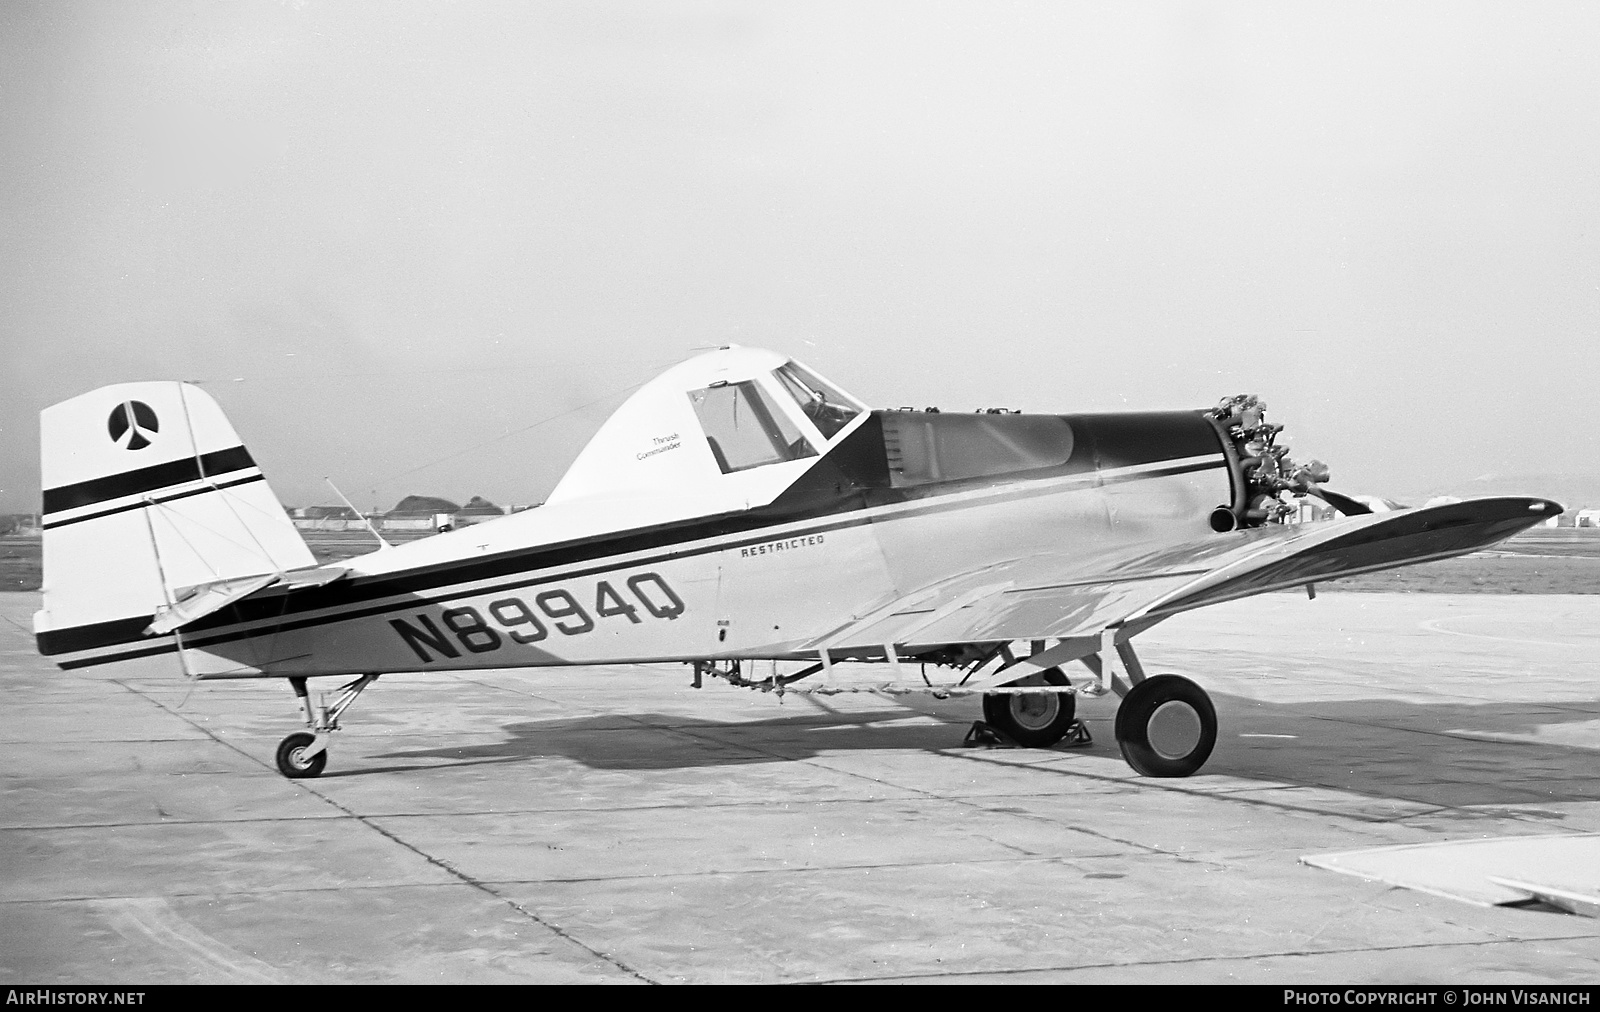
{"x":200,"y":601}
{"x":197,"y":602}
{"x":300,"y":579}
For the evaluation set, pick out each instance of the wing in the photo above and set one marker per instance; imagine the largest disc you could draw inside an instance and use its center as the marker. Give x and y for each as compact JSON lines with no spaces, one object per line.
{"x":1054,"y":597}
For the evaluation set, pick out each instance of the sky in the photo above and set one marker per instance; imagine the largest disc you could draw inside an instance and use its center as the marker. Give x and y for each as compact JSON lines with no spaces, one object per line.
{"x":427,"y":248}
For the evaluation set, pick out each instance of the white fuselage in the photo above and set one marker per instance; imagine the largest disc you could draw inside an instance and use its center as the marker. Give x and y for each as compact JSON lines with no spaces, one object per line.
{"x":737,"y":506}
{"x":774,"y":592}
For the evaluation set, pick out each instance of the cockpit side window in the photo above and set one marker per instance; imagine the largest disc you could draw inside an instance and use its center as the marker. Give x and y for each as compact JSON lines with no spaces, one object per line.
{"x":745,"y":429}
{"x":829,"y":409}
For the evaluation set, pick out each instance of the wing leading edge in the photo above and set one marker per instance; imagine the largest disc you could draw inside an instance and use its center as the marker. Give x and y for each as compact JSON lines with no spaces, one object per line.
{"x":1054,"y":597}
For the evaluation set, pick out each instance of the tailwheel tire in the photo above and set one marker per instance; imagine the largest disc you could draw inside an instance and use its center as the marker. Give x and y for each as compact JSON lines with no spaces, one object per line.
{"x":291,"y":757}
{"x":1166,"y":727}
{"x":1033,"y":719}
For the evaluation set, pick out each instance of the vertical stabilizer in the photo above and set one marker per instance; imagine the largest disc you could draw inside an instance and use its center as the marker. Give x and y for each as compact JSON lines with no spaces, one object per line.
{"x":147,"y":491}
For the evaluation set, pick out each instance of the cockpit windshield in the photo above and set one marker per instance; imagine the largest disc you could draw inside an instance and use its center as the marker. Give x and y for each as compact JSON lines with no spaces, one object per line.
{"x":828,"y":408}
{"x":745,"y":429}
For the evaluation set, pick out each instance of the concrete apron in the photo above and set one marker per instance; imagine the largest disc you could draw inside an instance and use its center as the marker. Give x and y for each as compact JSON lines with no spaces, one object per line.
{"x":595,"y":825}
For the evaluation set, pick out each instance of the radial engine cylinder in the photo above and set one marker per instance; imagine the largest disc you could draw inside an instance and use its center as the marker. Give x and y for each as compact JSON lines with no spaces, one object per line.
{"x":1264,"y":477}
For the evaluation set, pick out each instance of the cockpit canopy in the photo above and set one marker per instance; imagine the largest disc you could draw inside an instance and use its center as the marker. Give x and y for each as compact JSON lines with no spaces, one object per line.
{"x":761,"y":420}
{"x":741,"y":428}
{"x":735,"y":425}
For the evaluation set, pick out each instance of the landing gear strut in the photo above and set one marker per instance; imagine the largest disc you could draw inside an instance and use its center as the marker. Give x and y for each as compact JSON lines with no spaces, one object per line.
{"x":304,"y":754}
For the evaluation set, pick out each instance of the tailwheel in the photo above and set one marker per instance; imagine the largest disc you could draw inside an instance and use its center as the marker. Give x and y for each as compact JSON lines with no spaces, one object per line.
{"x":304,"y":754}
{"x":293,"y":761}
{"x":1166,"y":727}
{"x":1032,"y":719}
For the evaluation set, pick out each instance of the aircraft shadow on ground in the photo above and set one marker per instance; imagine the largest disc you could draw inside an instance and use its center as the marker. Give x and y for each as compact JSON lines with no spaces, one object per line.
{"x":1447,"y":754}
{"x":1383,"y":748}
{"x":652,"y":741}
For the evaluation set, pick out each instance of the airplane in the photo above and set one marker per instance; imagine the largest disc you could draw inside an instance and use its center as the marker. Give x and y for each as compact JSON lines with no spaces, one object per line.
{"x":739,"y":508}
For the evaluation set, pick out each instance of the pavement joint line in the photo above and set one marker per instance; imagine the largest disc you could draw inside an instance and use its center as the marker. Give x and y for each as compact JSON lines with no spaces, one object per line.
{"x":1033,"y":859}
{"x":224,"y":893}
{"x":68,"y":826}
{"x":20,"y":627}
{"x":440,"y":863}
{"x":760,"y":805}
{"x":733,"y":873}
{"x":574,"y":880}
{"x":1192,"y":960}
{"x":351,"y":814}
{"x":1473,"y":812}
{"x":100,"y":741}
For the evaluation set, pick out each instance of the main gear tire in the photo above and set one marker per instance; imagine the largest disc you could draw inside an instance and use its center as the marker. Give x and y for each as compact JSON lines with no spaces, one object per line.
{"x":1166,"y":727}
{"x":1033,"y":719}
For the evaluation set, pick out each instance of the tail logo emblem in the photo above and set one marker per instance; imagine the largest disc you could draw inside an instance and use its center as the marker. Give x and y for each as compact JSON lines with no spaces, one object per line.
{"x":131,"y":424}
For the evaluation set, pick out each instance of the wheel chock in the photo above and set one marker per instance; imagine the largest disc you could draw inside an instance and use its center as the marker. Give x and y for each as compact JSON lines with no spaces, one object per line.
{"x":982,"y":735}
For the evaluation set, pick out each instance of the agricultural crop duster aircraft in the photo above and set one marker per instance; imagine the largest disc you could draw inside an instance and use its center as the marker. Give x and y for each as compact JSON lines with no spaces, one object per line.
{"x":739,"y":507}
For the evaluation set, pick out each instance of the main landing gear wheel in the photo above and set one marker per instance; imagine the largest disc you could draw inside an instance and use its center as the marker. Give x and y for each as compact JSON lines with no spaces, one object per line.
{"x":1032,"y":719}
{"x":1166,"y":727}
{"x":291,"y":757}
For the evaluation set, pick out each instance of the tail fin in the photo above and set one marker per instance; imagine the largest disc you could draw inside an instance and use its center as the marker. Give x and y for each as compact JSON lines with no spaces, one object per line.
{"x":147,"y":491}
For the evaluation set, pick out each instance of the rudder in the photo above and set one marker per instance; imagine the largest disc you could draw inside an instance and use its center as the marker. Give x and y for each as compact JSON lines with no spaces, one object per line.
{"x":147,"y":491}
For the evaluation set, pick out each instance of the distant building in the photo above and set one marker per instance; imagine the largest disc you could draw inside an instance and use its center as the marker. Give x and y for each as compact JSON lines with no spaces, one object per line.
{"x":478,"y":506}
{"x":424,"y":512}
{"x":476,"y":511}
{"x":413,"y":513}
{"x":324,"y":513}
{"x":420,"y":505}
{"x":420,"y":513}
{"x":326,"y":518}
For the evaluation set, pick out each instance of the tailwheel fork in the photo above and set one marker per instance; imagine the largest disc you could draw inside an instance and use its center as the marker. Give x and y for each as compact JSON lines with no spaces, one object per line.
{"x":304,"y":754}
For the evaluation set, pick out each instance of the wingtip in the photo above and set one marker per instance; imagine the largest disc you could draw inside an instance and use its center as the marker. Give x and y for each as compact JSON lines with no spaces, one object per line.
{"x":1537,"y":504}
{"x":1514,"y":504}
